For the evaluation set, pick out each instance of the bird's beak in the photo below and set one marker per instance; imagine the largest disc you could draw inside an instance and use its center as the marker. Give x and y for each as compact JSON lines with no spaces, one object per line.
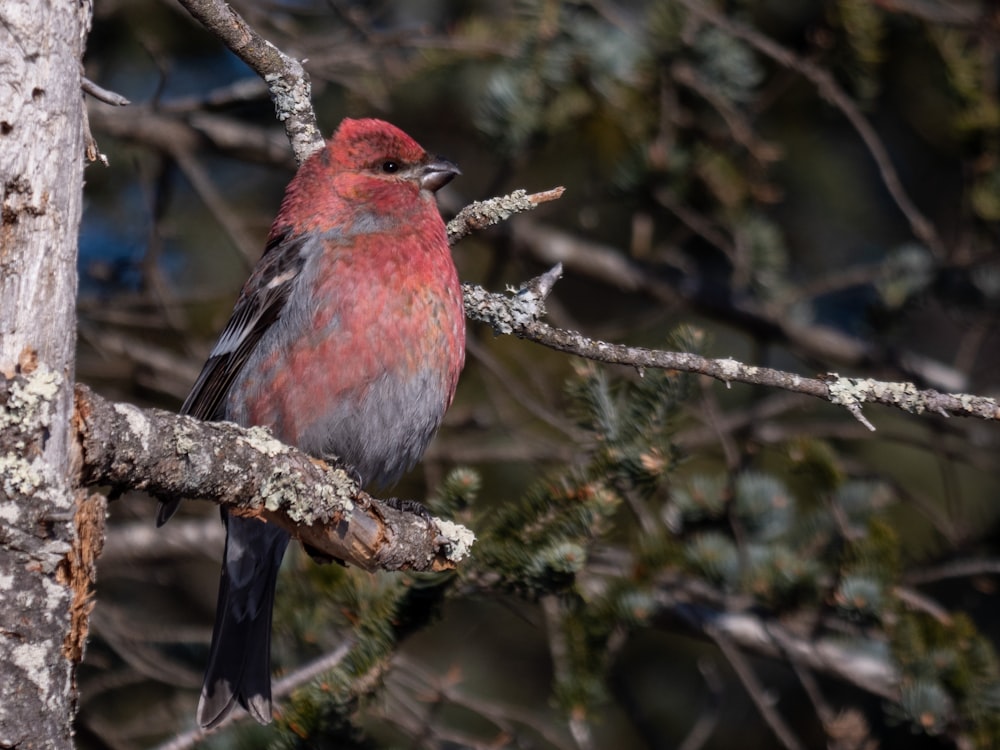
{"x":438,"y":173}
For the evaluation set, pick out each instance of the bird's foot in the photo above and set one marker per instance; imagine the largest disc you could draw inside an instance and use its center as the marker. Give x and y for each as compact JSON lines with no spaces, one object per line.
{"x":408,"y":506}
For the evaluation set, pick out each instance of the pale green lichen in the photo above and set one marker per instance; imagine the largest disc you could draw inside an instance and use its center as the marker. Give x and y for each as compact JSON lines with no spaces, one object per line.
{"x":291,"y":93}
{"x":284,"y":492}
{"x":729,"y":368}
{"x":856,"y":391}
{"x":844,"y":392}
{"x":18,"y":477}
{"x":505,"y":314}
{"x":230,"y":468}
{"x":30,"y":397}
{"x":55,"y":595}
{"x":262,"y":441}
{"x":457,"y":539}
{"x":137,"y":423}
{"x":185,"y":443}
{"x":489,"y":212}
{"x":33,"y":658}
{"x":979,"y":405}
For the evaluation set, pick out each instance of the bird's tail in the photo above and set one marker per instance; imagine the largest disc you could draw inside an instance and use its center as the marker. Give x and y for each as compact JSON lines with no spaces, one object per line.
{"x":239,"y":665}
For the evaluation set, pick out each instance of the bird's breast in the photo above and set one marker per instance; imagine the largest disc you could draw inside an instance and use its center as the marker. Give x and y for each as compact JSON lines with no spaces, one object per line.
{"x":365,"y":358}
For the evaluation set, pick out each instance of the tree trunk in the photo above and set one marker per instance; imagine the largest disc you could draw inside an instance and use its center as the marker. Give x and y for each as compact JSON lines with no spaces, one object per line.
{"x":43,"y":602}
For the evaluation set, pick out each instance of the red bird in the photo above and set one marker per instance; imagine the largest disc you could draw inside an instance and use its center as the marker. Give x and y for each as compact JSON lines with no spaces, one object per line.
{"x":347,"y":342}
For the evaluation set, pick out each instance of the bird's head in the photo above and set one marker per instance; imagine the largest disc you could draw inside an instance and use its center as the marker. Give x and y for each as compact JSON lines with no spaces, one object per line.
{"x":370,"y":177}
{"x":377,"y":150}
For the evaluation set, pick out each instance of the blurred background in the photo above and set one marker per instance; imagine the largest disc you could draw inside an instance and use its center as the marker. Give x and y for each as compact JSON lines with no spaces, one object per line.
{"x":664,"y":562}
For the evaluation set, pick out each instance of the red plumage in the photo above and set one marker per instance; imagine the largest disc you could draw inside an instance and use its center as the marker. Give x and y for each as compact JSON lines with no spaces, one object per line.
{"x":347,"y":341}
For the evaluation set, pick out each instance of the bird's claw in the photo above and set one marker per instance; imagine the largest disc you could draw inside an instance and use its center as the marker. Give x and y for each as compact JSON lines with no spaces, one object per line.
{"x":409,"y":506}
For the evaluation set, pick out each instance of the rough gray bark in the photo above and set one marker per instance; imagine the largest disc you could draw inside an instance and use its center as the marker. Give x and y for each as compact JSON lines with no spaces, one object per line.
{"x":253,"y":474}
{"x":43,"y":602}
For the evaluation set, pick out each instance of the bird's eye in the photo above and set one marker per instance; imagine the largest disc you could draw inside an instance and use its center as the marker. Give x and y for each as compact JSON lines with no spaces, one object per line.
{"x":390,"y":166}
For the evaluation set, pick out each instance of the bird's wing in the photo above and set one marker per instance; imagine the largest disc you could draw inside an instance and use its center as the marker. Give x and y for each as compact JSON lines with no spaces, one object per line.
{"x":259,"y":305}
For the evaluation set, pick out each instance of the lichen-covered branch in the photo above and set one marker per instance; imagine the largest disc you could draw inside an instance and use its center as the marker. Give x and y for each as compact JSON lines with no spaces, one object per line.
{"x":286,"y":79}
{"x":253,"y":474}
{"x":482,"y":214}
{"x":518,"y":314}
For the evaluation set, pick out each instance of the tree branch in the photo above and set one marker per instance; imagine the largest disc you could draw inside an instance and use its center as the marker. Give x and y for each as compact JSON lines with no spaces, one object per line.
{"x":669,"y":286}
{"x":482,"y":214}
{"x":252,"y":474}
{"x":685,"y":601}
{"x":518,"y":314}
{"x":286,"y":79}
{"x":103,"y":95}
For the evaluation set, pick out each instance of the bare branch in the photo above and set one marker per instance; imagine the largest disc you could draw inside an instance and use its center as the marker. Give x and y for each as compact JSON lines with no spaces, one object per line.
{"x":833,"y":656}
{"x":255,"y":475}
{"x":703,"y":727}
{"x":972,"y":15}
{"x":422,"y":684}
{"x":171,"y":131}
{"x":961,"y":568}
{"x":102,"y":94}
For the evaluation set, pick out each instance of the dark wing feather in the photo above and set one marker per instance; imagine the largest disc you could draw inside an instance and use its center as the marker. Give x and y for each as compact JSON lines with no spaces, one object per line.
{"x":260,"y":304}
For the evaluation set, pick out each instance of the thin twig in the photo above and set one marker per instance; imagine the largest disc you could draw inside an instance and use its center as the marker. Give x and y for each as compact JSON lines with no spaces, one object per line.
{"x":281,"y":688}
{"x":945,"y":14}
{"x":415,"y":677}
{"x":515,"y":389}
{"x":559,"y":650}
{"x":830,"y":90}
{"x":811,"y":686}
{"x":167,"y":131}
{"x":757,"y":692}
{"x":482,"y":214}
{"x":953,"y":569}
{"x":708,"y":719}
{"x":671,"y":284}
{"x":922,"y":603}
{"x":215,"y":201}
{"x":848,"y":729}
{"x":102,"y":94}
{"x":764,"y":152}
{"x":697,"y":223}
{"x":699,"y":607}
